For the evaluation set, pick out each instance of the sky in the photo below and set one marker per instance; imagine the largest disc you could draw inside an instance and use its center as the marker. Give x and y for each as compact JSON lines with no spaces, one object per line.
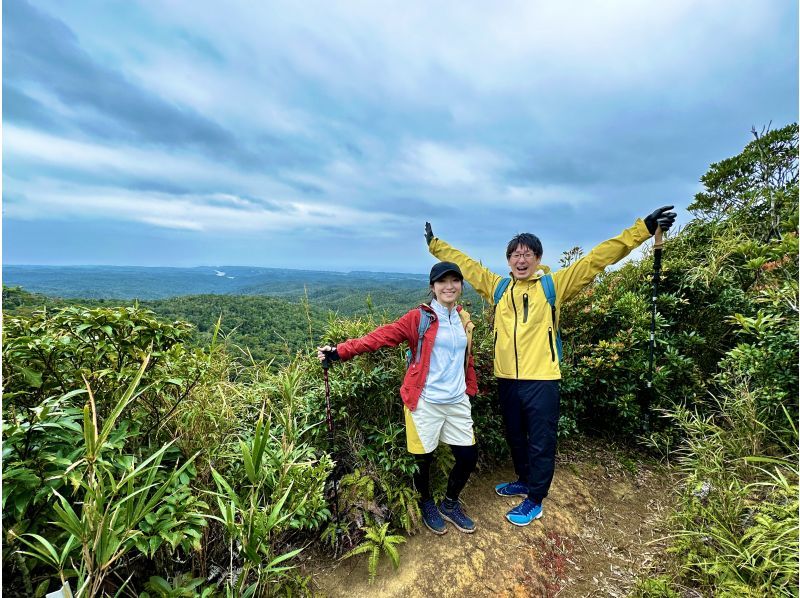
{"x":322,"y":135}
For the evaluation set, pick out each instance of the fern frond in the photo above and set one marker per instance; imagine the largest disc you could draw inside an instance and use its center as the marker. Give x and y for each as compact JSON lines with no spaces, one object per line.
{"x":393,"y":553}
{"x":373,"y":563}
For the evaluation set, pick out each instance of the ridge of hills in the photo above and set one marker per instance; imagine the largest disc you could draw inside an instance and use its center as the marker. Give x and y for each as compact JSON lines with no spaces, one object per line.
{"x":273,"y":314}
{"x":143,"y":282}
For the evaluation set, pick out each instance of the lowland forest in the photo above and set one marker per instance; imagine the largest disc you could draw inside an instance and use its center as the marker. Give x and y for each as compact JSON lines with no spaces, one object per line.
{"x":164,"y":430}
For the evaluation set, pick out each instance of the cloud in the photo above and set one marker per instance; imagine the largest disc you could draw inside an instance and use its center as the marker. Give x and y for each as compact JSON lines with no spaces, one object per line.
{"x":413,"y":53}
{"x":131,"y":165}
{"x":439,"y":165}
{"x":160,"y":188}
{"x":39,"y":51}
{"x":24,"y":108}
{"x":319,"y":117}
{"x":207,"y":213}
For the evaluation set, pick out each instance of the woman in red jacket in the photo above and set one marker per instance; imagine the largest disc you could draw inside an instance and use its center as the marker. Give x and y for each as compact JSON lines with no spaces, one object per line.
{"x":435,"y":391}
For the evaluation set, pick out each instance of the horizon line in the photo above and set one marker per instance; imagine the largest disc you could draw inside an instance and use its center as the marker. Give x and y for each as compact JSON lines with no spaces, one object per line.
{"x":213,"y":267}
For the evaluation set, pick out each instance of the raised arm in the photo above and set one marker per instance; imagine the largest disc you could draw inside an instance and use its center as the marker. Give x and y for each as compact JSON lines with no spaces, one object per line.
{"x":482,"y":279}
{"x":575,"y":277}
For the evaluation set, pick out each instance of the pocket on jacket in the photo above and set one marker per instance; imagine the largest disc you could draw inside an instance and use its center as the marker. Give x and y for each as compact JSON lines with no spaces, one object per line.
{"x":525,"y":308}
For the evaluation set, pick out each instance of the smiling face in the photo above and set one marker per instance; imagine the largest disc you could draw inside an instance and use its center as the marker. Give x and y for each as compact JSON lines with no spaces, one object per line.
{"x":523,"y":262}
{"x":447,"y":289}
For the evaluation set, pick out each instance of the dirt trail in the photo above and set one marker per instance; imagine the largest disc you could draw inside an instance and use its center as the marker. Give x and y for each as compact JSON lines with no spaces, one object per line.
{"x":591,"y":541}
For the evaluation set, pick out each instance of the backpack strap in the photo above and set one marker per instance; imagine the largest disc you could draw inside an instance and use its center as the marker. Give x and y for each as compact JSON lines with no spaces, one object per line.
{"x":425,"y":319}
{"x":500,"y":289}
{"x":550,"y":293}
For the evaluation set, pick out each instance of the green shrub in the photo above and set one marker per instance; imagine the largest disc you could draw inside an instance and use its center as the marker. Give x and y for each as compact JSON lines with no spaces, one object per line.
{"x":737,"y":523}
{"x":111,"y":497}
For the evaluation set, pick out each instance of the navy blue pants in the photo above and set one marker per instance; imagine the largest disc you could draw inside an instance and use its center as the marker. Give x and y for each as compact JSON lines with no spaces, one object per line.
{"x":530,"y":414}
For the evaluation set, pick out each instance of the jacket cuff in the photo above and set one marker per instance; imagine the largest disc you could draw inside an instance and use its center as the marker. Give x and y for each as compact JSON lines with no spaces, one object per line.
{"x":641,"y":232}
{"x":341,"y":352}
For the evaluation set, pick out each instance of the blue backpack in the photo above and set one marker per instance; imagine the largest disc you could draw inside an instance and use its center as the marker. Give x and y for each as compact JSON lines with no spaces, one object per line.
{"x":425,"y":319}
{"x":549,"y":291}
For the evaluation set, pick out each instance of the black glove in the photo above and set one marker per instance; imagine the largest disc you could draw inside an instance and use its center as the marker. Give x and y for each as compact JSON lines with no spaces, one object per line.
{"x":331,"y":354}
{"x":428,"y":233}
{"x":662,"y":218}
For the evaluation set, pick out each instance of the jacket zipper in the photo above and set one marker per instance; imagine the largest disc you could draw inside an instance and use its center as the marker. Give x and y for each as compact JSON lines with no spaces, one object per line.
{"x":550,"y":336}
{"x":452,"y":331}
{"x":514,"y":306}
{"x":466,"y":351}
{"x":525,"y":308}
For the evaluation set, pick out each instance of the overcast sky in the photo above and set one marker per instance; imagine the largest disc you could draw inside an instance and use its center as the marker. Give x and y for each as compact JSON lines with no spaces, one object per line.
{"x":322,"y":135}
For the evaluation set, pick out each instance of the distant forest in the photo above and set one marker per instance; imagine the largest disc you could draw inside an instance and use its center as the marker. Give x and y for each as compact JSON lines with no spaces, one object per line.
{"x":138,"y":282}
{"x":288,"y":315}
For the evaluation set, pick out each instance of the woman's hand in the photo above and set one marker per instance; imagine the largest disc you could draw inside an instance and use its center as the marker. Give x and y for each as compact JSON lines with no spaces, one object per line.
{"x":327,"y":352}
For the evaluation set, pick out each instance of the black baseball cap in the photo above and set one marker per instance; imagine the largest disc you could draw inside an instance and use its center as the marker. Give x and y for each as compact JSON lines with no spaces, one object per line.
{"x":443,"y":268}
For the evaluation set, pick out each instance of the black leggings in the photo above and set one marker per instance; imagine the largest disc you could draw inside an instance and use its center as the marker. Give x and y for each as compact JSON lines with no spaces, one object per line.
{"x":466,"y":459}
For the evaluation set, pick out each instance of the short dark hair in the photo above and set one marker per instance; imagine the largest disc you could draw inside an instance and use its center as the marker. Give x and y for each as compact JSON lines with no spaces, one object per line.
{"x":528,"y":240}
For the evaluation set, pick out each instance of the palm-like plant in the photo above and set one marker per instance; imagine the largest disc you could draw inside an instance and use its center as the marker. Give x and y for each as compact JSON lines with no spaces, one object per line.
{"x":252,"y":519}
{"x":106,"y":526}
{"x":378,"y":540}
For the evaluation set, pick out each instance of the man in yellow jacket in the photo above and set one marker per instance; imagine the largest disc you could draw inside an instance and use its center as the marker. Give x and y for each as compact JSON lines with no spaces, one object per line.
{"x":527,"y":347}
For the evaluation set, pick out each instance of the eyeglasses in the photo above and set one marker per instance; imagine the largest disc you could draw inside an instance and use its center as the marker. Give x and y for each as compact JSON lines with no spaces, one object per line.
{"x":527,"y":255}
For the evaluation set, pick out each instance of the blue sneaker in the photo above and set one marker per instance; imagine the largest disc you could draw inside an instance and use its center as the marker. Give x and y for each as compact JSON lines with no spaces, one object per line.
{"x":432,"y":518}
{"x":512,"y":489}
{"x":524,"y":512}
{"x":451,"y":510}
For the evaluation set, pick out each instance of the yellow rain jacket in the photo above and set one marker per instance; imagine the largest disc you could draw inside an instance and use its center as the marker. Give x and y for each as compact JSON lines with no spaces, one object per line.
{"x":524,"y":332}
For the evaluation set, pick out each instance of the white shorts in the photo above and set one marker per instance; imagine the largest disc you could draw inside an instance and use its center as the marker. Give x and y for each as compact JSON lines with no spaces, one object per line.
{"x":431,"y":423}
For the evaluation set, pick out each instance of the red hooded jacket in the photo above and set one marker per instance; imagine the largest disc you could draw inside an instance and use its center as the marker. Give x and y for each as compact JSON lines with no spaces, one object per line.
{"x":406,"y":329}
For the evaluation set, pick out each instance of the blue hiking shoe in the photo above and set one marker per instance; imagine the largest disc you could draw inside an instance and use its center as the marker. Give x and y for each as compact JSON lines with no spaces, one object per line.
{"x":451,"y":510}
{"x":432,"y":518}
{"x":524,"y":512}
{"x":512,"y":489}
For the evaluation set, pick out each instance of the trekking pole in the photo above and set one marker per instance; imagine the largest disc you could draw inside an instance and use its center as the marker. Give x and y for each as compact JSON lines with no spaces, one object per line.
{"x":326,"y":363}
{"x":648,"y":396}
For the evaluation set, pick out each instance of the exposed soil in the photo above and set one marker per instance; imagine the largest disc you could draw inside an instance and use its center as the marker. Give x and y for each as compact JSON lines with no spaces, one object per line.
{"x":600,"y":528}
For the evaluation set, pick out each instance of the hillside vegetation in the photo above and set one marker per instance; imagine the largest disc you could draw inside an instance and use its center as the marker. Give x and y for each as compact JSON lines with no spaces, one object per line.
{"x":264,"y":328}
{"x":135,"y":444}
{"x":341,"y":292}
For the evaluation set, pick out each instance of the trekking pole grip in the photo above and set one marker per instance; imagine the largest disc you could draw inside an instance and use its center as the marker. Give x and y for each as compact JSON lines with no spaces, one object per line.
{"x":659,"y":238}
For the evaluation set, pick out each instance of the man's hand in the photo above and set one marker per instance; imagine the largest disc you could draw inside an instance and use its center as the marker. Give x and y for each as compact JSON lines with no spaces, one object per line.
{"x":428,"y":233}
{"x":662,"y":218}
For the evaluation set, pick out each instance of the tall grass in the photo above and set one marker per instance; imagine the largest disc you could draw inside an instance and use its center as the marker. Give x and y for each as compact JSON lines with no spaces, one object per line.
{"x":736,"y":522}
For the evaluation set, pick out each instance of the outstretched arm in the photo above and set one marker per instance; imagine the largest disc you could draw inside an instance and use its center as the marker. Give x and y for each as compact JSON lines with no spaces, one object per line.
{"x":482,"y":279}
{"x":572,"y":279}
{"x":388,"y":335}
